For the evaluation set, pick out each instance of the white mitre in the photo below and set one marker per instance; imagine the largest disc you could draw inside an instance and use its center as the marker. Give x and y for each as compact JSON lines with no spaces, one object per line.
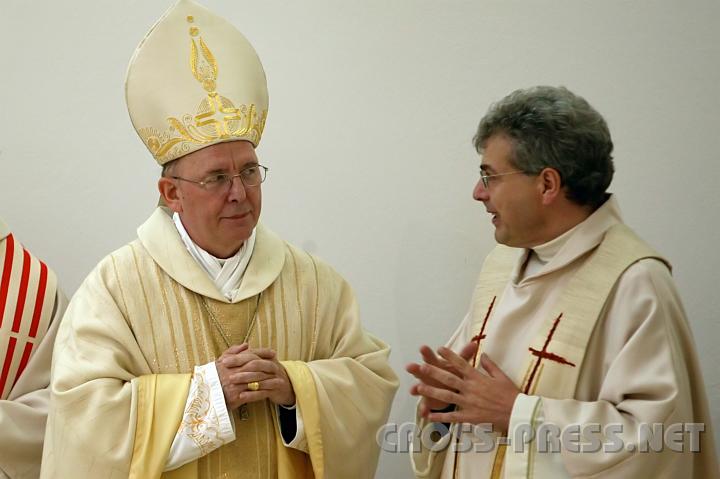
{"x":195,"y":81}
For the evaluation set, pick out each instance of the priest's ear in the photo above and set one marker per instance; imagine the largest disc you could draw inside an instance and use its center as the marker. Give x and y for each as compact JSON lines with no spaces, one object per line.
{"x":549,"y":185}
{"x":169,"y":193}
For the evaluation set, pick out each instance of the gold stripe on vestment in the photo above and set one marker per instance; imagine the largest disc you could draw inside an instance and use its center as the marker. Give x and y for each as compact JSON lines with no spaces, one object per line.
{"x":314,"y":330}
{"x":168,"y":316}
{"x":189,"y":339}
{"x":147,"y":307}
{"x":499,"y":461}
{"x":297,"y":302}
{"x":281,"y":280}
{"x":117,"y":279}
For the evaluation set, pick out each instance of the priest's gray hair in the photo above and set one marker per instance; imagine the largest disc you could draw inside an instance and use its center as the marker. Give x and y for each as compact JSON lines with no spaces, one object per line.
{"x":551,"y":127}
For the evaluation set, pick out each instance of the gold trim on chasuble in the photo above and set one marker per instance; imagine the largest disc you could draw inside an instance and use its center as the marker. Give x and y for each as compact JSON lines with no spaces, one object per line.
{"x":160,"y":402}
{"x":232,"y":329}
{"x":292,"y":463}
{"x":226,"y":333}
{"x":216,"y":117}
{"x":253,"y":453}
{"x":249,"y":455}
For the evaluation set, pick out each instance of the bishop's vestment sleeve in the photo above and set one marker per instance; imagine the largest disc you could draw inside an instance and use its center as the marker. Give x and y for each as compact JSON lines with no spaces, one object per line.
{"x":109,"y":416}
{"x":24,"y":414}
{"x":206,"y":424}
{"x":291,"y":428}
{"x":345,"y":392}
{"x":643,"y":351}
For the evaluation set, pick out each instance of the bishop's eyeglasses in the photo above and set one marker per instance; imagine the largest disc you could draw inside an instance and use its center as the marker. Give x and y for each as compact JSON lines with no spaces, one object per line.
{"x":222,"y":182}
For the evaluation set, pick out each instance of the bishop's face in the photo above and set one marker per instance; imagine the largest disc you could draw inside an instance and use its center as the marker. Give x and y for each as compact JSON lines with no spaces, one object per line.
{"x":513,"y":200}
{"x":217,"y":220}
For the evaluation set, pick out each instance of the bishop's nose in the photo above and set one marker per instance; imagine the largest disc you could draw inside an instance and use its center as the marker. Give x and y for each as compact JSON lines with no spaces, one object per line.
{"x":237,"y":189}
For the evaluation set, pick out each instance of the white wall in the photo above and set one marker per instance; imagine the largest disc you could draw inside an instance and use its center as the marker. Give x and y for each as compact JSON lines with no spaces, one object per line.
{"x":372,"y":108}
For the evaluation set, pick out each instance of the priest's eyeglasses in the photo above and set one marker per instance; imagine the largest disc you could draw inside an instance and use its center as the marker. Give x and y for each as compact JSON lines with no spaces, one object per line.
{"x":486,"y":178}
{"x":217,"y":182}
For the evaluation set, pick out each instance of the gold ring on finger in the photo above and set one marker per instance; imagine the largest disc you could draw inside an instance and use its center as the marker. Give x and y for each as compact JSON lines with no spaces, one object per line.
{"x":253,"y":386}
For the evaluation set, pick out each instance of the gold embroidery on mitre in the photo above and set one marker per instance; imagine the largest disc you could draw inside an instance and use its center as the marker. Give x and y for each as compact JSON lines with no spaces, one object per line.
{"x":216,"y":117}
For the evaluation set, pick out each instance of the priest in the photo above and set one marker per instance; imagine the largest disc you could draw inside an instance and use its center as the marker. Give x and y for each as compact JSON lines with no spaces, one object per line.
{"x":31,"y":306}
{"x":209,"y":347}
{"x":575,"y":358}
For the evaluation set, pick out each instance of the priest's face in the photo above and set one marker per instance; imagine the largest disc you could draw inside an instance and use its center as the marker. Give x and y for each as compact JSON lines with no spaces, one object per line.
{"x":512,"y":198}
{"x":218,"y":219}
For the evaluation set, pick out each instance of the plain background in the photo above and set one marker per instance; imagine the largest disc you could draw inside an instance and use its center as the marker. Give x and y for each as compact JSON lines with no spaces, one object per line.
{"x":373,"y":105}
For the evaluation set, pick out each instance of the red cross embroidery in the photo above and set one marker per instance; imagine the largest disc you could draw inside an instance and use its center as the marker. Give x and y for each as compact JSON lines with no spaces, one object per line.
{"x":481,"y":335}
{"x":545,"y":354}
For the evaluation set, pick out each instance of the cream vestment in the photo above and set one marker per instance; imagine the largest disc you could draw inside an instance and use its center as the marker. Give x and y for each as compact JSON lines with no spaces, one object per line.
{"x":149,"y":313}
{"x":591,"y":329}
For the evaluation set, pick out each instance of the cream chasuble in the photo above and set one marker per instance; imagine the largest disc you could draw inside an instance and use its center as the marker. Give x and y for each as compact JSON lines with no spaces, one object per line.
{"x":227,"y":275}
{"x":149,"y":313}
{"x":591,"y":329}
{"x":30,"y":310}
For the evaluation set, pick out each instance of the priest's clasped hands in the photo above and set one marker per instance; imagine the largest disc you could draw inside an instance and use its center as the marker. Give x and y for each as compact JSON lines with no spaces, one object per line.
{"x":479,"y":396}
{"x":239,"y":366}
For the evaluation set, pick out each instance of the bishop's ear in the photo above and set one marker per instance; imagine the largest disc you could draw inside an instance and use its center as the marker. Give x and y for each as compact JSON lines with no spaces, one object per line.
{"x":550,"y":184}
{"x":169,"y":194}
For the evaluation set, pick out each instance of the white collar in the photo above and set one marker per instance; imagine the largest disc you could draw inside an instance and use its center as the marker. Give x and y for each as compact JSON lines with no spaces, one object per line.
{"x":226,"y":273}
{"x":566,"y":248}
{"x":547,"y":251}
